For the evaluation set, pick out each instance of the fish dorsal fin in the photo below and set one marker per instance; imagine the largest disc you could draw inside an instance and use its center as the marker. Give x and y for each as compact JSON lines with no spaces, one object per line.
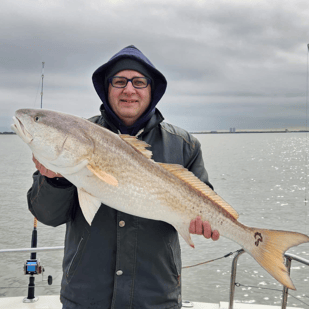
{"x":137,"y":144}
{"x":187,"y":176}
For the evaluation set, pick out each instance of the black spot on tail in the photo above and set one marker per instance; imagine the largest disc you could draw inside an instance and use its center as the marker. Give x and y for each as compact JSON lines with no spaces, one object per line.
{"x":259,"y":238}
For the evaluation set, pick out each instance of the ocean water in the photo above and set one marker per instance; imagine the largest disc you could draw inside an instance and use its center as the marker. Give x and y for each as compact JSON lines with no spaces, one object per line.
{"x":263,"y":176}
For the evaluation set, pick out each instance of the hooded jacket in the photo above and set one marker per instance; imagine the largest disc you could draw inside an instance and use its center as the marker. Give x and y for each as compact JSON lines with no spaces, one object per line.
{"x":158,"y":88}
{"x":120,"y":261}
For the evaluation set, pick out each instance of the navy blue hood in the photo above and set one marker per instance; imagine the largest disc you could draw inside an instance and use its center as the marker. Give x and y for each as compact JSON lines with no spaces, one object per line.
{"x":158,"y":88}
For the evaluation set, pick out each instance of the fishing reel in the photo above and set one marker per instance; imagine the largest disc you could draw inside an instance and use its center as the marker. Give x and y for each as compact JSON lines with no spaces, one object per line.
{"x":34,"y":267}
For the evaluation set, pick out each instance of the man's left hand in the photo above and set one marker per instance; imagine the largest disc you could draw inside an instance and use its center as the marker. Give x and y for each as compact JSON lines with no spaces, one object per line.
{"x":199,"y":227}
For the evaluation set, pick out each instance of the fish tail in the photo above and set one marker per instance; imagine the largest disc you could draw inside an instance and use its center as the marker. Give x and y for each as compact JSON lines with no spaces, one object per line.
{"x":268,"y":248}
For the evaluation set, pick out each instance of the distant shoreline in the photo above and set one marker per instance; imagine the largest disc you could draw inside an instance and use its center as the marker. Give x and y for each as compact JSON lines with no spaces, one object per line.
{"x":250,"y":131}
{"x":221,"y":132}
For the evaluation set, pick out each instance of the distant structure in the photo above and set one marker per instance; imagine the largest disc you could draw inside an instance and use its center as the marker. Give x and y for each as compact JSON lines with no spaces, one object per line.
{"x":232,"y":130}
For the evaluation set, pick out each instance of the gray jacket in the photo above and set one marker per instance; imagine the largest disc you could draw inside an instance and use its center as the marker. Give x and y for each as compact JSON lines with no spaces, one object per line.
{"x":120,"y":261}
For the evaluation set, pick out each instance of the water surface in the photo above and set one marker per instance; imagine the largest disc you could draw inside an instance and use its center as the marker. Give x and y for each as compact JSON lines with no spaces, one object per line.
{"x":263,"y":176}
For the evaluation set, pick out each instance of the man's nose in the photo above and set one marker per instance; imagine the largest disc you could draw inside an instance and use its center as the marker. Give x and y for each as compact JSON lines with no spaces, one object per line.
{"x":128,"y":89}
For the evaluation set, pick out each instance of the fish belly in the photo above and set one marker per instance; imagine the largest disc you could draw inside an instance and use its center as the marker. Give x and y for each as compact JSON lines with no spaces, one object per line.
{"x":126,"y":197}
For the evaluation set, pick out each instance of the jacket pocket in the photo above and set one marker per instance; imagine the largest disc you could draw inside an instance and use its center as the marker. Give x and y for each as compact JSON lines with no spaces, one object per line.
{"x":73,"y":265}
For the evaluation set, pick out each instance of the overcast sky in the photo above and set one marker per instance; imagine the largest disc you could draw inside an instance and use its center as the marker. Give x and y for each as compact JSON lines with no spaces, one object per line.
{"x":232,"y":63}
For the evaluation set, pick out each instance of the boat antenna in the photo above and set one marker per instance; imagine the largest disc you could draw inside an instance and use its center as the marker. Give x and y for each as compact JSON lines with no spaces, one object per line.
{"x":43,"y":63}
{"x":32,"y":267}
{"x":307,"y":140}
{"x":35,"y":222}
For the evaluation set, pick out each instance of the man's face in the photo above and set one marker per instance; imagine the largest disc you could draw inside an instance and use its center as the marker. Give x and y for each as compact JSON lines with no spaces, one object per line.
{"x":129,"y":103}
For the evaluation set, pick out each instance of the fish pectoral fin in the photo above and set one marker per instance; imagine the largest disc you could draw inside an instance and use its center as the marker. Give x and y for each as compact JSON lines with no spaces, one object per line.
{"x":111,"y":180}
{"x":88,"y":204}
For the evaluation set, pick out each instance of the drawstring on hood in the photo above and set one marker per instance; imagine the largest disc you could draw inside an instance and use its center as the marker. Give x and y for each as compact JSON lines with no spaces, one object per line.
{"x":130,"y":58}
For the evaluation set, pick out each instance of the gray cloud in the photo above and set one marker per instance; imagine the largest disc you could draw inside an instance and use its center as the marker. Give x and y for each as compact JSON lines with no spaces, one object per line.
{"x":219,"y":57}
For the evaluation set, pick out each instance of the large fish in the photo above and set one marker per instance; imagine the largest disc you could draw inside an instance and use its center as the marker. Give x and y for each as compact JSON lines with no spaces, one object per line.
{"x":117,"y":170}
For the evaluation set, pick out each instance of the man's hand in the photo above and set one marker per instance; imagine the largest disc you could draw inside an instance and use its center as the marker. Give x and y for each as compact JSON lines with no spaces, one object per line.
{"x":197,"y":226}
{"x":43,"y":170}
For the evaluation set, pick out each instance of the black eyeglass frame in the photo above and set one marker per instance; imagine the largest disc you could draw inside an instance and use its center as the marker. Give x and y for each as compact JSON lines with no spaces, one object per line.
{"x":110,"y":80}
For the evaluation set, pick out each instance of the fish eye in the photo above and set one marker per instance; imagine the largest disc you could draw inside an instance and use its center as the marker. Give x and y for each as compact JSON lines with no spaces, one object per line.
{"x":36,"y":118}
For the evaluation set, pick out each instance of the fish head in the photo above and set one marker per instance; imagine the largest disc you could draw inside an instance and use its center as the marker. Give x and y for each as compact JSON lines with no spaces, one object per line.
{"x":56,"y":139}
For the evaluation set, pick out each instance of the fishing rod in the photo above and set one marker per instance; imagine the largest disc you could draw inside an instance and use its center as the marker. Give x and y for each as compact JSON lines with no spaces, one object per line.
{"x":307,"y":141}
{"x":43,"y":63}
{"x":32,"y":266}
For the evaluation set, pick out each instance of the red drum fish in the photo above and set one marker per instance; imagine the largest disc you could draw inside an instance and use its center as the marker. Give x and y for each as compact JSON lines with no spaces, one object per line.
{"x":117,"y":170}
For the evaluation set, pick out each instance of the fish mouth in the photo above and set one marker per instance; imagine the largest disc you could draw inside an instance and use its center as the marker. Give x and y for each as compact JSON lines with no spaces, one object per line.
{"x":21,"y":131}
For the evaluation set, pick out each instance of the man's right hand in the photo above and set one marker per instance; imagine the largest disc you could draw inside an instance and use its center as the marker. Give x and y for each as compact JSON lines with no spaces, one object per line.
{"x":43,"y":170}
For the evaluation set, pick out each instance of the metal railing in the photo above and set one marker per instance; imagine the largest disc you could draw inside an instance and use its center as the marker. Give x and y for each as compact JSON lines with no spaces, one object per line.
{"x":288,"y":262}
{"x":285,"y":292}
{"x":43,"y":249}
{"x":33,"y":267}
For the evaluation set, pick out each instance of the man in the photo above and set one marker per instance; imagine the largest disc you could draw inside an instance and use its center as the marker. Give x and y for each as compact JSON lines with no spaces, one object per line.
{"x":122,"y":261}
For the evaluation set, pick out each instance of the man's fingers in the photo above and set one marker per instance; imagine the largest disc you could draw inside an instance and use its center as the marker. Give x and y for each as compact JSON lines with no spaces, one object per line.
{"x":207,"y":229}
{"x":215,"y":235}
{"x":192,"y":227}
{"x":36,"y":162}
{"x":43,"y":170}
{"x":198,"y":226}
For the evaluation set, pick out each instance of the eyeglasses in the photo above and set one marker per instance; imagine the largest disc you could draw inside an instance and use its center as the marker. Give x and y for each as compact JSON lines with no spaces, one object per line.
{"x":137,"y":82}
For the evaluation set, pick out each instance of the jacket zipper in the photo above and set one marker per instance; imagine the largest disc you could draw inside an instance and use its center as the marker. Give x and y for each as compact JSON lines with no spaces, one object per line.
{"x":74,"y":256}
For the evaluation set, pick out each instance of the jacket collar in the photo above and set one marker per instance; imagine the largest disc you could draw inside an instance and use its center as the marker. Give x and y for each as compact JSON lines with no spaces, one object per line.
{"x":108,"y":122}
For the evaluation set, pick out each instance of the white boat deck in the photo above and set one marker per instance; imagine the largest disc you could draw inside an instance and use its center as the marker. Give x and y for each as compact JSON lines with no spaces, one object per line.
{"x":53,"y":302}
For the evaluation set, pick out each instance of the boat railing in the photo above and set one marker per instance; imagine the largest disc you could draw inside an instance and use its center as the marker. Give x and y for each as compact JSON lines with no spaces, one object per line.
{"x":33,"y":267}
{"x":285,"y":292}
{"x":30,"y":250}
